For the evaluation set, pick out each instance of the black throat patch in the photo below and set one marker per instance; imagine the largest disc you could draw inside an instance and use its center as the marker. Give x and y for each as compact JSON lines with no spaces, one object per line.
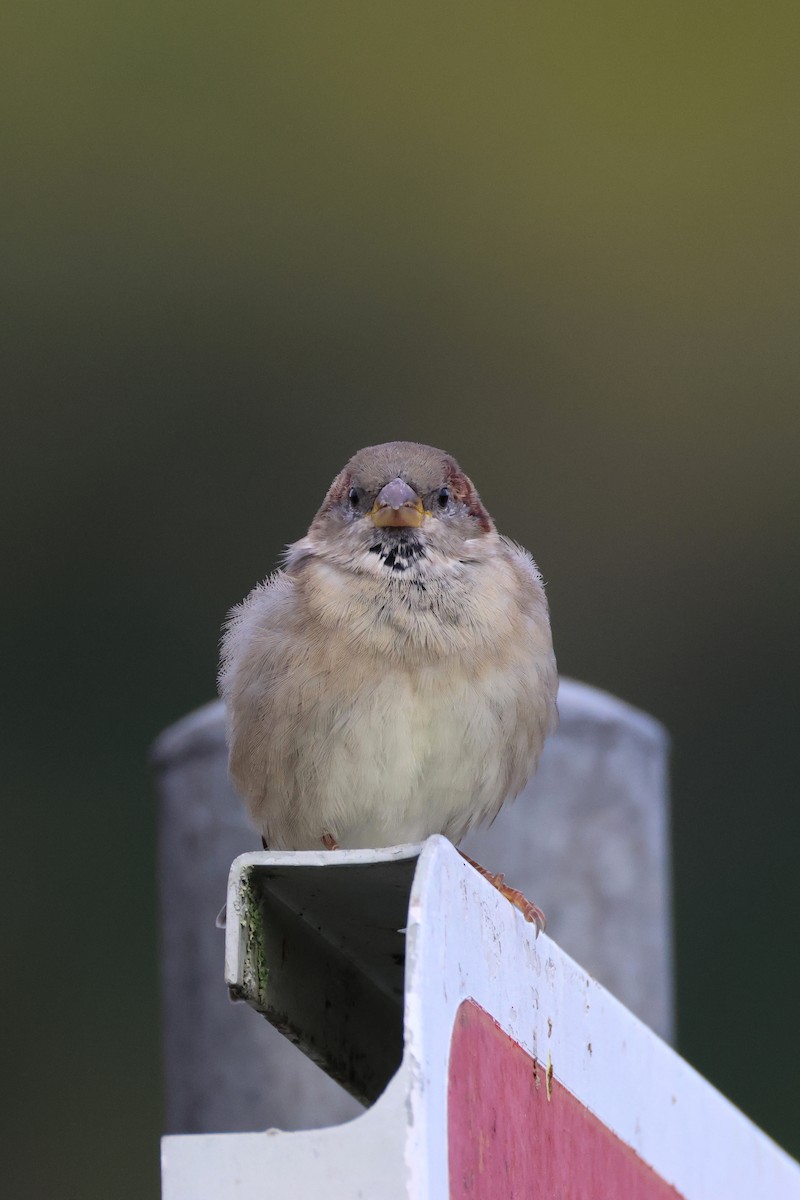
{"x":398,"y":550}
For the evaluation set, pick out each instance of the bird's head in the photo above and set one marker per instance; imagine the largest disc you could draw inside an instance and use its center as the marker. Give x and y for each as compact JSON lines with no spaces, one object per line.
{"x":395,"y":504}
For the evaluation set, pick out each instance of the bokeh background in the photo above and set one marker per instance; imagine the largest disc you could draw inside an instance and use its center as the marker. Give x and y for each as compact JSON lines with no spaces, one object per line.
{"x":242,"y":240}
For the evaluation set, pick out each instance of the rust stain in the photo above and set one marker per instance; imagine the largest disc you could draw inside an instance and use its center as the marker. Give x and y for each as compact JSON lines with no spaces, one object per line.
{"x":481,"y":1150}
{"x":549,"y":1077}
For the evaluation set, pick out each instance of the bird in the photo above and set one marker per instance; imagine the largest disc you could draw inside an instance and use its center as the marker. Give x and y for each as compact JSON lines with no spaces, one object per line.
{"x":396,"y":677}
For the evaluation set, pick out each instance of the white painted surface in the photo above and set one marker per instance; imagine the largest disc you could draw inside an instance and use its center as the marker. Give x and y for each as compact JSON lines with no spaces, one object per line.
{"x":362,"y":1160}
{"x":465,"y":941}
{"x":631,"y":1080}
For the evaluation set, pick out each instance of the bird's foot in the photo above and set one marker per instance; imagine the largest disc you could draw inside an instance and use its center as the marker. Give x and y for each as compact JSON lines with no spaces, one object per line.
{"x":330,"y":842}
{"x":530,"y":911}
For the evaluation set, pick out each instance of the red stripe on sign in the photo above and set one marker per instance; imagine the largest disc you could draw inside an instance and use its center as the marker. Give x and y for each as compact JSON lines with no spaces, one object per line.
{"x":514,"y":1134}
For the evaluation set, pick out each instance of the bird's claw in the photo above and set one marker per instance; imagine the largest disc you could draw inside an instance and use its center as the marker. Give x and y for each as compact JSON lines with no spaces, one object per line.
{"x":530,"y":911}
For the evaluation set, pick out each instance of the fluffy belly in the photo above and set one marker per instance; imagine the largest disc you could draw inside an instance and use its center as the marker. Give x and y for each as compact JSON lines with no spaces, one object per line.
{"x":404,"y":759}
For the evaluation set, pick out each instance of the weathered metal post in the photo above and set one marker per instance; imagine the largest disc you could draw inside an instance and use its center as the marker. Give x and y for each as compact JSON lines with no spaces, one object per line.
{"x":492,"y":1064}
{"x":588,"y":840}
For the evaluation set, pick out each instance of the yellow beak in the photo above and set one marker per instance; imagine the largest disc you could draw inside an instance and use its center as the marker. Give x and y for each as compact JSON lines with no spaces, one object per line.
{"x":398,"y":506}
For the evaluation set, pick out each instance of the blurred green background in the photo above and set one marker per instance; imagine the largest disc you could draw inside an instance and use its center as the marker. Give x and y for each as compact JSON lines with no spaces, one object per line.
{"x":241,"y":241}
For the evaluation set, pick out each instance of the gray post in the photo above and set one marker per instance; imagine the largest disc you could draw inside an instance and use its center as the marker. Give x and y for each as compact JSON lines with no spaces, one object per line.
{"x":587,"y":840}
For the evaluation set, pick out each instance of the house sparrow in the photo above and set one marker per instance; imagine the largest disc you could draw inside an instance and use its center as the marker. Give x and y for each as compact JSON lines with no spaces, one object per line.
{"x":397,"y":678}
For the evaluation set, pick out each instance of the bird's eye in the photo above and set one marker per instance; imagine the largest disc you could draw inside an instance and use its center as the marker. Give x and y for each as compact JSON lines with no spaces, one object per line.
{"x":443,"y":497}
{"x":352,"y":496}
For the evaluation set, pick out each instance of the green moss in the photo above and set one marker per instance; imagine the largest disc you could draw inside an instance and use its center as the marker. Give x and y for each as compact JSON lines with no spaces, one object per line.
{"x":255,"y":974}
